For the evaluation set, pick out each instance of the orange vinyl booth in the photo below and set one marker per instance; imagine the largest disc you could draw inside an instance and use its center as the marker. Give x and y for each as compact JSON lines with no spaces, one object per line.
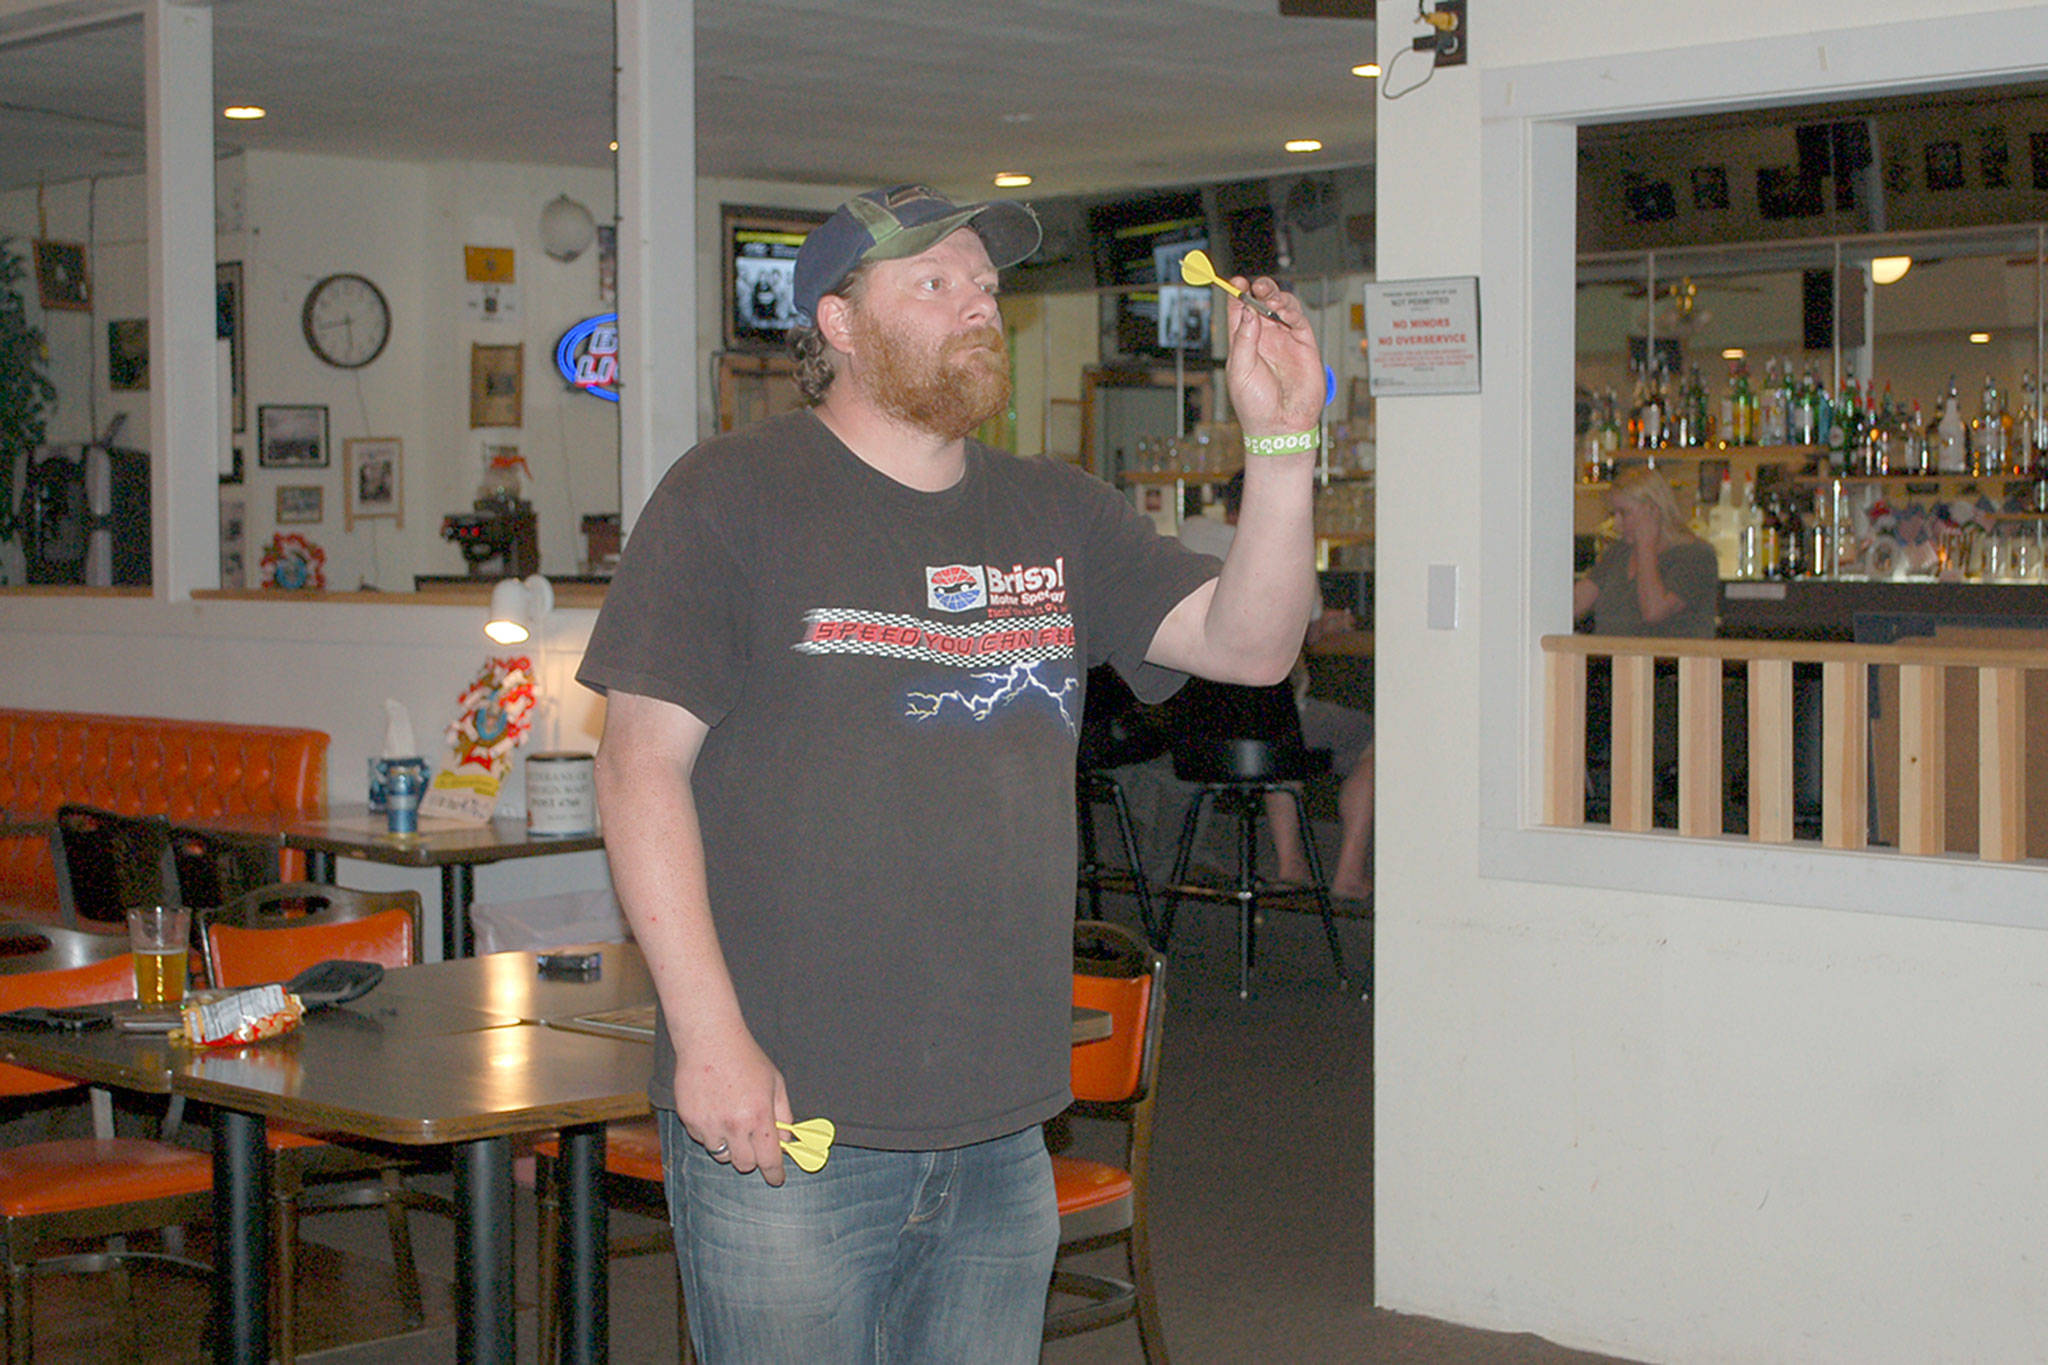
{"x":134,"y":765}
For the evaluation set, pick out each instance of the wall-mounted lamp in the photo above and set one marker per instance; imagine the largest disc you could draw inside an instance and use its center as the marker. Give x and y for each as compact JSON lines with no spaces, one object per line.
{"x":518,"y":605}
{"x":1890,"y":269}
{"x":566,"y":228}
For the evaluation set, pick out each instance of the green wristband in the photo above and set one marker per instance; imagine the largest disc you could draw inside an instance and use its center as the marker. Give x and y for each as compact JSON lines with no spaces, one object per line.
{"x":1289,"y":443}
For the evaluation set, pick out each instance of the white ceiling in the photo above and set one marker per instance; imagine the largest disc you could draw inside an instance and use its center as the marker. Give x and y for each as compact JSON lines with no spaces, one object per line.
{"x":1086,"y":95}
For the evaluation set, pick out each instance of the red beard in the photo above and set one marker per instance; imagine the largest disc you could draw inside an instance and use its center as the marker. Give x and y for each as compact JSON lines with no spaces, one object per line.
{"x":947,"y":389}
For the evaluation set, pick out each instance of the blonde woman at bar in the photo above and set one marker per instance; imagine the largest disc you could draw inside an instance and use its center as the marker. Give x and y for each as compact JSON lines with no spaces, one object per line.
{"x":1658,"y":578}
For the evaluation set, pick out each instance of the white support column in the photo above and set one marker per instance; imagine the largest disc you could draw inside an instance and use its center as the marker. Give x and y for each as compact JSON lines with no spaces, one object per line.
{"x":183,"y":406}
{"x":659,"y":368}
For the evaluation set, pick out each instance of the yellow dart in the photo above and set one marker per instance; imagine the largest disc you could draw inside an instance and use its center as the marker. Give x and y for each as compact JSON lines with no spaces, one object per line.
{"x":1197,"y":268}
{"x":809,"y":1143}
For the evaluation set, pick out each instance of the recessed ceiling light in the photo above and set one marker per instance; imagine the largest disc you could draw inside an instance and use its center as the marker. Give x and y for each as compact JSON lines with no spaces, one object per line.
{"x":615,"y":144}
{"x":1733,"y":353}
{"x":1369,"y":70}
{"x":1980,"y":338}
{"x":243,"y":111}
{"x":1012,"y":180}
{"x":1304,"y":144}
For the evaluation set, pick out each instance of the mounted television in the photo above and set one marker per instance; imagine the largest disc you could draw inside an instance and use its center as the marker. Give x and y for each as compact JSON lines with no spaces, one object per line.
{"x":1138,"y":245}
{"x":760,"y":274}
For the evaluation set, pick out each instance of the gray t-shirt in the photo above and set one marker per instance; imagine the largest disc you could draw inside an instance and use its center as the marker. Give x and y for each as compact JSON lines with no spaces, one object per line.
{"x":1688,"y":569}
{"x":893,"y":683}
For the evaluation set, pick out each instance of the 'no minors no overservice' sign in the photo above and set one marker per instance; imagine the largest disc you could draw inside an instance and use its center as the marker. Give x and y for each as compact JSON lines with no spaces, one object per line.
{"x":1422,"y":336}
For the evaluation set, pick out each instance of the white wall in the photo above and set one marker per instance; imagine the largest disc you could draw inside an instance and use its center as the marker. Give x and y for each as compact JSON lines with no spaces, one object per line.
{"x":1651,"y":1122}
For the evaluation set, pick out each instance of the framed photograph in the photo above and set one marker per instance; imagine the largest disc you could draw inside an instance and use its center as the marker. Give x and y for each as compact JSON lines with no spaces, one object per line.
{"x":227,"y":326}
{"x":1944,"y":165}
{"x":376,"y":480}
{"x":494,"y":384}
{"x":300,"y":504}
{"x":128,"y":353}
{"x":61,"y":278}
{"x":234,"y":562}
{"x":1710,"y":187}
{"x":291,"y":436}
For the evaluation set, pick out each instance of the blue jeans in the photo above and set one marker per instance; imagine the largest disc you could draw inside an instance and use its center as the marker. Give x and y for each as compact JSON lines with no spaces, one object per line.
{"x":880,"y":1256}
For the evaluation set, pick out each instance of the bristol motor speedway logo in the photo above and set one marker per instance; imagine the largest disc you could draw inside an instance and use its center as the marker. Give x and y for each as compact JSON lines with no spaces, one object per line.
{"x":955,"y":587}
{"x":968,"y":587}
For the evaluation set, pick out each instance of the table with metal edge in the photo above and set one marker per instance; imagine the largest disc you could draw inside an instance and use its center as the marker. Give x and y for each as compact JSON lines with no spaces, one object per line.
{"x":404,"y":1069}
{"x":456,"y":850}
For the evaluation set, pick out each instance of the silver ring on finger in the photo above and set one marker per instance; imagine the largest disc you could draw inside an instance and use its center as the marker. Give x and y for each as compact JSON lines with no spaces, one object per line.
{"x":720,"y":1150}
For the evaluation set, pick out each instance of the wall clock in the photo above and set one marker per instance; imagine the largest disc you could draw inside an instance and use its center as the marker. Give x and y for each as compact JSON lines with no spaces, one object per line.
{"x":346,"y":321}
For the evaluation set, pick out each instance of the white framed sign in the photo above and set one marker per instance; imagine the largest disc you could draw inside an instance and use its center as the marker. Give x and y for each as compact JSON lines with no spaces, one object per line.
{"x":1422,"y":336}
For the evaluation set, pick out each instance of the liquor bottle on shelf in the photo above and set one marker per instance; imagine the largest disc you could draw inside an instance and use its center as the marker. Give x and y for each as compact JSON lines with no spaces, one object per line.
{"x":1749,"y":529}
{"x":1770,"y":545}
{"x":1916,"y":452}
{"x":1724,"y":530}
{"x":1818,"y":552}
{"x":1770,"y":407}
{"x":1951,"y":443}
{"x":1844,"y":434}
{"x":1689,"y":413}
{"x":2024,"y":457}
{"x":1646,"y":423}
{"x":1805,"y":412}
{"x":1792,"y":562}
{"x":1742,"y":399}
{"x":1987,"y":432}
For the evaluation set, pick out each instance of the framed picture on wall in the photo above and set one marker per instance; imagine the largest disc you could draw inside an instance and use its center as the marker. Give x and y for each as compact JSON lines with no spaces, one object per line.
{"x":227,"y":326}
{"x":61,"y":277}
{"x":376,"y":480}
{"x":494,"y":384}
{"x":291,"y":436}
{"x":300,"y":504}
{"x":128,"y":353}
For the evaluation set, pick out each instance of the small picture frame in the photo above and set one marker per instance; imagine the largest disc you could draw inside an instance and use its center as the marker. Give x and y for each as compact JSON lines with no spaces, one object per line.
{"x":291,"y":436}
{"x":496,"y":374}
{"x":62,"y":280}
{"x":1944,"y":165}
{"x":227,"y":326}
{"x":376,"y":480}
{"x":300,"y":504}
{"x":128,"y":353}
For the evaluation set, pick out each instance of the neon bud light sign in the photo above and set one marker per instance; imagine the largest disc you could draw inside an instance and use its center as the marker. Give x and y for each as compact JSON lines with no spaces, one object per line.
{"x":588,"y":356}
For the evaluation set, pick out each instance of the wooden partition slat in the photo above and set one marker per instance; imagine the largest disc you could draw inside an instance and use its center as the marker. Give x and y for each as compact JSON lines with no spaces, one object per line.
{"x":1564,"y":740}
{"x":2001,"y":765}
{"x":1631,"y":781}
{"x":1699,"y":747}
{"x":1923,"y":759}
{"x":1848,"y":736}
{"x":1845,"y":754}
{"x":1770,"y":751}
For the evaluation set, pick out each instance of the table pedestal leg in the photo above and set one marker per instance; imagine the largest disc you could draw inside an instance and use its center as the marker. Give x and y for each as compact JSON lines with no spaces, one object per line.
{"x":320,"y":866}
{"x":583,"y":1289}
{"x":458,"y":889}
{"x":241,"y":1219}
{"x":486,"y":1332}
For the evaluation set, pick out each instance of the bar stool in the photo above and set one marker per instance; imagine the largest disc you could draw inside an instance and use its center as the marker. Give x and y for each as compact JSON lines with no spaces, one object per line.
{"x":1238,"y":744}
{"x":1113,"y":734}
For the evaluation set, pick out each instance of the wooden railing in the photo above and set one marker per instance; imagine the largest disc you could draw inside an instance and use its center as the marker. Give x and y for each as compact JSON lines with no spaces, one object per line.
{"x":1919,"y":682}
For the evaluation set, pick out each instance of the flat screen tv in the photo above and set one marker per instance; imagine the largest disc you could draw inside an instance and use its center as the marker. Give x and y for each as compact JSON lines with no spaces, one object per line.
{"x":760,"y":274}
{"x":1138,"y":246}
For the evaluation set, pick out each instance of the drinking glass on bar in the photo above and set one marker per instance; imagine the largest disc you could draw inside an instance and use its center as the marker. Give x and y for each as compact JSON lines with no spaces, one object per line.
{"x":159,"y":940}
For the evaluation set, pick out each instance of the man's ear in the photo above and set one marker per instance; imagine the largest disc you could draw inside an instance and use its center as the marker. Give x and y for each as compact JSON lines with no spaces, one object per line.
{"x":835,"y":322}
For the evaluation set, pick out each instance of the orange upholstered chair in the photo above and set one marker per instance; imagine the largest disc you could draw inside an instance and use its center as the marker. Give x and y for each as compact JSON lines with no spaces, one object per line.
{"x":272,"y":934}
{"x":632,"y":1167}
{"x":1113,"y":1079}
{"x":68,"y":1189}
